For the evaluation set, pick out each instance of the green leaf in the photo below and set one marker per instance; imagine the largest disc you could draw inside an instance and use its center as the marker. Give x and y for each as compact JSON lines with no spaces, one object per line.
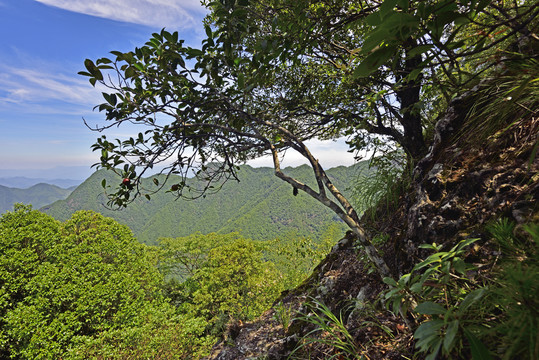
{"x":386,"y":7}
{"x":391,"y":293}
{"x":209,"y":33}
{"x":372,"y":62}
{"x":428,"y":329}
{"x":374,"y":39}
{"x":396,"y":305}
{"x":450,"y":334}
{"x":390,"y":281}
{"x":459,"y":265}
{"x":470,"y":299}
{"x":430,"y":308}
{"x":103,"y":61}
{"x":414,"y":74}
{"x":404,"y":4}
{"x":241,"y":80}
{"x":92,"y":69}
{"x":478,"y":349}
{"x":405,"y":278}
{"x":397,"y":21}
{"x":373,"y":19}
{"x":429,"y":246}
{"x":466,"y":242}
{"x":436,"y":348}
{"x":461,"y":20}
{"x":130,"y":72}
{"x":431,"y":259}
{"x":416,"y":288}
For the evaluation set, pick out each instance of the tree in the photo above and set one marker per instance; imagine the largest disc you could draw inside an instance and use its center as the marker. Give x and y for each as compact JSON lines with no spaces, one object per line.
{"x":234,"y":283}
{"x":273,"y":74}
{"x":66,"y":287}
{"x":183,"y":256}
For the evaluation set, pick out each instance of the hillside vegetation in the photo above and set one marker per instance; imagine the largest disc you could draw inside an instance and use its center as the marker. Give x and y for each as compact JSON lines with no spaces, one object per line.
{"x":86,"y":288}
{"x":259,"y":206}
{"x":37,"y":195}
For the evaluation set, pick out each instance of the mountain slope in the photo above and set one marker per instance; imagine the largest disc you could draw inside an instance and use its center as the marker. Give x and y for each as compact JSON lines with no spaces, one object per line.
{"x":260,"y":206}
{"x":37,"y":195}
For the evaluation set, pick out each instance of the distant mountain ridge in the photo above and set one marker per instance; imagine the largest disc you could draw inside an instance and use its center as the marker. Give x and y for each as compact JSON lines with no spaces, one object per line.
{"x":23,"y":182}
{"x":260,"y":206}
{"x":59,"y":172}
{"x":37,"y":195}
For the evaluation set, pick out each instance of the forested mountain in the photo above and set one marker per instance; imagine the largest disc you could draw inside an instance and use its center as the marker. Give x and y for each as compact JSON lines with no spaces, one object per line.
{"x":260,"y":206}
{"x":37,"y":195}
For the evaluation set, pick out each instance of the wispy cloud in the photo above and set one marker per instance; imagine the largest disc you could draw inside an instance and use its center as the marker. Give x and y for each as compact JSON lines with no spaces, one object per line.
{"x":29,"y":89}
{"x":156,"y":13}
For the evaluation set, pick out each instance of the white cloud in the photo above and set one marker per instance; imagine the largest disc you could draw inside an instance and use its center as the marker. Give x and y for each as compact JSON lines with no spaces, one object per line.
{"x":329,"y":154}
{"x":33,"y":89}
{"x":156,"y":13}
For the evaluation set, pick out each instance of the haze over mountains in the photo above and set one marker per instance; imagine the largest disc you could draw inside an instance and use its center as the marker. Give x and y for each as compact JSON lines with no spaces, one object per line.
{"x":39,"y":187}
{"x":75,"y":174}
{"x":21,"y":182}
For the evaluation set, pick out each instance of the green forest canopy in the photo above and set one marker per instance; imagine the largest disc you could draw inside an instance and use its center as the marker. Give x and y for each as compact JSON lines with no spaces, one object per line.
{"x":86,"y":288}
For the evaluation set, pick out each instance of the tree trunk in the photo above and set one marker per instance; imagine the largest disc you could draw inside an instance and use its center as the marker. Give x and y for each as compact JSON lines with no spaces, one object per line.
{"x":408,"y":95}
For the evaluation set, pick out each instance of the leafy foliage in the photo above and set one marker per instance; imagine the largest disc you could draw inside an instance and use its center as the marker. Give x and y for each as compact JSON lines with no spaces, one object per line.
{"x":333,"y":330}
{"x":386,"y":178}
{"x":514,"y":293}
{"x":283,"y":314}
{"x":273,"y":74}
{"x":464,"y":317}
{"x":447,"y":297}
{"x":66,"y":286}
{"x":296,"y":257}
{"x":222,"y":278}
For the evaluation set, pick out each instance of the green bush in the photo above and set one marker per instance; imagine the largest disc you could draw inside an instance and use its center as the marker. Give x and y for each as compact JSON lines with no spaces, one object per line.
{"x":444,"y":301}
{"x":461,"y":318}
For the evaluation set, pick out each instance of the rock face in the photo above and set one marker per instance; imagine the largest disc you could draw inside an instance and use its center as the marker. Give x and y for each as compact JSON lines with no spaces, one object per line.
{"x":466,"y":181}
{"x":467,"y":185}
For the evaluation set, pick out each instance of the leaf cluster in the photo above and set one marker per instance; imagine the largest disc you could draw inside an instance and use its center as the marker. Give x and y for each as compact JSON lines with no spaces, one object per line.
{"x":439,"y":289}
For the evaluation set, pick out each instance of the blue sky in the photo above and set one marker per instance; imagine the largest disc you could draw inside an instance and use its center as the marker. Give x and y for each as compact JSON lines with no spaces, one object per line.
{"x":43,"y":45}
